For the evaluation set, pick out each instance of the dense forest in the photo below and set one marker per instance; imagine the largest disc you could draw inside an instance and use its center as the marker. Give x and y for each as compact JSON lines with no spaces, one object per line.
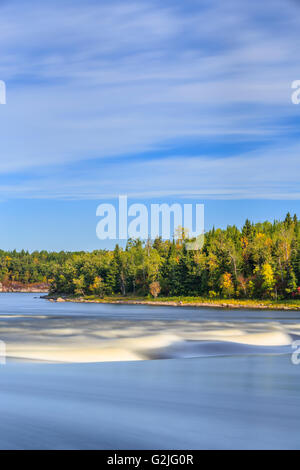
{"x":261,"y":260}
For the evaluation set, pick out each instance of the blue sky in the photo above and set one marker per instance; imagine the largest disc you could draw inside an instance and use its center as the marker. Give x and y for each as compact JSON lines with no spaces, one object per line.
{"x":162,"y":101}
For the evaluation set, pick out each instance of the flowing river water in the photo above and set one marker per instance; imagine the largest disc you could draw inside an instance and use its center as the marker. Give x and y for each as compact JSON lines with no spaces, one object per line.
{"x":81,"y":376}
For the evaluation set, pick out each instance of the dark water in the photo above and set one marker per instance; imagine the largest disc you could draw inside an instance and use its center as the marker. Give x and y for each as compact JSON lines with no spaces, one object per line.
{"x":241,"y":399}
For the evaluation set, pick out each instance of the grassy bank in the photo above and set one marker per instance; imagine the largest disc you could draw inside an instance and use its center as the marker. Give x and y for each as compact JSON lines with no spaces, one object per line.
{"x":187,"y":301}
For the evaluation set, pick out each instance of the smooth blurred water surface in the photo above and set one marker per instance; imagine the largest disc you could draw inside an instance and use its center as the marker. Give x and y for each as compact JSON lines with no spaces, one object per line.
{"x":241,"y":400}
{"x":33,"y":305}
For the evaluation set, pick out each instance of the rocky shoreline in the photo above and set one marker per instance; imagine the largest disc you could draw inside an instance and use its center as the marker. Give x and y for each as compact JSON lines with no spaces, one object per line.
{"x":171,"y":303}
{"x":38,"y":288}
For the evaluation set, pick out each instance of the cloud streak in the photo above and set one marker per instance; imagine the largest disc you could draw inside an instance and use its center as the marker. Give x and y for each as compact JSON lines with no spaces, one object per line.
{"x":252,"y":175}
{"x":105,"y":80}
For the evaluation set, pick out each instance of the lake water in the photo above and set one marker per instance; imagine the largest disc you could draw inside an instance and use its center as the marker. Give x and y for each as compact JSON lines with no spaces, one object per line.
{"x":82,"y":376}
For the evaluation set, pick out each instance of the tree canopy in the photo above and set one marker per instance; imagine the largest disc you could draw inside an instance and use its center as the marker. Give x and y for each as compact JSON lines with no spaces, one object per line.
{"x":261,"y":260}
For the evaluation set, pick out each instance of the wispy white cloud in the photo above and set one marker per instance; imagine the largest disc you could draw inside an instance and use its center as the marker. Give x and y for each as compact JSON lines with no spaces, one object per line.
{"x":99,"y":80}
{"x":272,"y":174}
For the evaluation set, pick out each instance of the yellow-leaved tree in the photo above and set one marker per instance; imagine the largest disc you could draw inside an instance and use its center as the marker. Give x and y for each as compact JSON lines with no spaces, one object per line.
{"x":226,"y":285}
{"x":268,"y":278}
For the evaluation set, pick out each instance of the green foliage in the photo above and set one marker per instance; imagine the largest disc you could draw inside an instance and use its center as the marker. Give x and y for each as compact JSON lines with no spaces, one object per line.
{"x":260,"y":261}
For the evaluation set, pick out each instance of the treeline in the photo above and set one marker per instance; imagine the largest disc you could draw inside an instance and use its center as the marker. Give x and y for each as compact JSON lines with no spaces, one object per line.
{"x":261,"y":260}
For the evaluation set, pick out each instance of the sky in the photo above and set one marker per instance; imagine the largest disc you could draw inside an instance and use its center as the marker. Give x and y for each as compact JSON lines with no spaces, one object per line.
{"x":162,"y":101}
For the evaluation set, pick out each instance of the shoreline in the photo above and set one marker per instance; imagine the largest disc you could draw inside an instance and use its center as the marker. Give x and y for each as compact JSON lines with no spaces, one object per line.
{"x":255,"y":304}
{"x":222,"y":303}
{"x":34,"y":288}
{"x":24,"y":291}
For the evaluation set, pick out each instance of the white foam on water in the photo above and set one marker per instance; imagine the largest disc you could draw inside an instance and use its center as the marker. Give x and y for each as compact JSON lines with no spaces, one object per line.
{"x":143,"y":347}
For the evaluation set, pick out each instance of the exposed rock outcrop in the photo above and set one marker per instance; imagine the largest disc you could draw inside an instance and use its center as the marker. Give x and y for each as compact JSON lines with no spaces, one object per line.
{"x":13,"y":286}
